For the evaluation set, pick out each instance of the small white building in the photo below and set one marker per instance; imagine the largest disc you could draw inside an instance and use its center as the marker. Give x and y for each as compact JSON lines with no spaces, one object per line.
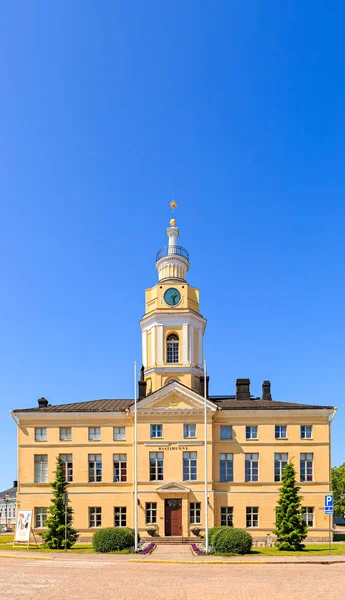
{"x":8,"y":501}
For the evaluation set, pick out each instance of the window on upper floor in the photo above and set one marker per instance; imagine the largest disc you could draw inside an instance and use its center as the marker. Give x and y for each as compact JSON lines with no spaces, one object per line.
{"x":251,"y":432}
{"x":226,"y":432}
{"x":41,"y":468}
{"x":67,"y":467}
{"x":280,"y":432}
{"x":251,"y":467}
{"x":308,"y":515}
{"x":95,"y":468}
{"x":120,"y":467}
{"x":94,"y":434}
{"x":172,"y":348}
{"x":189,"y":466}
{"x":280,"y":462}
{"x":189,"y":431}
{"x":306,"y":432}
{"x":40,"y":434}
{"x":306,"y":466}
{"x":65,"y":434}
{"x":226,"y":467}
{"x":156,"y":466}
{"x":227,"y":516}
{"x":156,"y":431}
{"x":119,"y":433}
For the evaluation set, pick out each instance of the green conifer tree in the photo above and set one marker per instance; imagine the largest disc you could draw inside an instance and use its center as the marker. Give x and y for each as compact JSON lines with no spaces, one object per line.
{"x":291,"y":529}
{"x":55,"y":535}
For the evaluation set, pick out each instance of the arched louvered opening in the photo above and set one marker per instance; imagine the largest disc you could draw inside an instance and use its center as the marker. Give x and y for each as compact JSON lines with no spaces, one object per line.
{"x":172,"y":348}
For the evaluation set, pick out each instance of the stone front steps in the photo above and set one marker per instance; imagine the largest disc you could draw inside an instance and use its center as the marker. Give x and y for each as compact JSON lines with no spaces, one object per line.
{"x":171,"y":540}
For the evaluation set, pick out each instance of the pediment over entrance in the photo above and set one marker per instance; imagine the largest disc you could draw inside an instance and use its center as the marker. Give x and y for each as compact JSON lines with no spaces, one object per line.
{"x":173,"y":487}
{"x":174,"y":397}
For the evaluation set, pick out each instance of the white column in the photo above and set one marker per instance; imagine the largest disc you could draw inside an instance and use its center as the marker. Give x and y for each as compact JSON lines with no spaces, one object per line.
{"x":200,"y":347}
{"x":153,"y":346}
{"x":144,"y":348}
{"x":191,"y":344}
{"x":160,"y":344}
{"x":185,"y":343}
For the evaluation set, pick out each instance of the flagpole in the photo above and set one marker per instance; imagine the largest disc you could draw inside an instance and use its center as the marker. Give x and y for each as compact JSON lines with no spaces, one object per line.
{"x":135,"y":462}
{"x":205,"y":459}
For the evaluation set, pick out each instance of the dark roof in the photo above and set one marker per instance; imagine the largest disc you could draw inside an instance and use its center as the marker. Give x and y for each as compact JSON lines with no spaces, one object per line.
{"x":224,"y":402}
{"x":230,"y":403}
{"x":110,"y":405}
{"x":11,"y":492}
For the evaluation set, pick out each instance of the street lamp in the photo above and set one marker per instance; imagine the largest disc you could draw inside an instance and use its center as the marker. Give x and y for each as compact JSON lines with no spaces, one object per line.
{"x":7,"y":499}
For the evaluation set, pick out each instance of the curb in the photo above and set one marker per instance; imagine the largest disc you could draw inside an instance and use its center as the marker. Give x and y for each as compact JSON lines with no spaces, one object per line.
{"x":237,"y":562}
{"x":29,"y":557}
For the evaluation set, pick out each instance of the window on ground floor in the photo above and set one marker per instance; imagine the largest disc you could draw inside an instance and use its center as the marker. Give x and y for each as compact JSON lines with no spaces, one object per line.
{"x":308,"y":515}
{"x":41,"y":514}
{"x":252,"y":516}
{"x":151,"y":513}
{"x":227,"y":516}
{"x":195,"y":513}
{"x":120,"y":516}
{"x":95,"y":516}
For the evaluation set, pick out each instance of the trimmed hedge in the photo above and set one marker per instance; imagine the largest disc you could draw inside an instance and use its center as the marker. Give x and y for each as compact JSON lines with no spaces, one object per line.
{"x":213,"y":531}
{"x":232,"y":541}
{"x":110,"y":539}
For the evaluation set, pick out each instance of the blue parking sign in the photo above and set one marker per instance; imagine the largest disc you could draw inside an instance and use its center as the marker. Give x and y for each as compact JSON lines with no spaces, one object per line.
{"x":329,"y":504}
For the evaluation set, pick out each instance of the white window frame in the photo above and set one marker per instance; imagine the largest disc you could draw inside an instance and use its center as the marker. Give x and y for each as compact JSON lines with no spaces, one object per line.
{"x":40,"y":434}
{"x":278,"y":432}
{"x":93,"y":469}
{"x":223,"y":429}
{"x":121,"y":461}
{"x":154,"y":431}
{"x":251,"y":432}
{"x":304,"y":430}
{"x":151,"y":513}
{"x":156,"y":469}
{"x":119,"y":434}
{"x":308,"y":457}
{"x":120,"y":514}
{"x":189,"y":430}
{"x":228,"y":459}
{"x":194,"y":513}
{"x":307,"y":512}
{"x":172,"y":348}
{"x":94,"y":434}
{"x":252,"y":513}
{"x":41,"y":515}
{"x":65,"y":434}
{"x":280,"y":458}
{"x":227,"y":516}
{"x":189,"y":457}
{"x":95,"y":517}
{"x":250,"y":459}
{"x":67,"y":466}
{"x":41,"y":468}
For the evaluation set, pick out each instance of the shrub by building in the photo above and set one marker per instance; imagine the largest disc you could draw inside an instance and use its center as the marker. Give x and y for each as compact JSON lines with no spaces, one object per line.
{"x":112,"y":539}
{"x":231,"y":541}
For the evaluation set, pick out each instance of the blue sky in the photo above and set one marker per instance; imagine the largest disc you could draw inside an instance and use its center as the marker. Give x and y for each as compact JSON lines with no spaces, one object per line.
{"x":110,"y":109}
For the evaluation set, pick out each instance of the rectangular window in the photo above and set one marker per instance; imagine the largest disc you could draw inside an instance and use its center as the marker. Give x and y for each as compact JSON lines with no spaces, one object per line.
{"x":119,"y":433}
{"x":95,"y":516}
{"x":280,"y":432}
{"x":251,"y":432}
{"x":189,"y":466}
{"x":156,"y":431}
{"x":226,"y":467}
{"x":120,"y":516}
{"x":41,"y":468}
{"x":189,"y":431}
{"x":65,"y":434}
{"x":67,"y":467}
{"x":195,"y":513}
{"x":151,"y":513}
{"x":41,"y":515}
{"x":40,"y":434}
{"x":226,"y":432}
{"x":156,"y":466}
{"x":227,"y":516}
{"x":94,"y":434}
{"x":308,"y":515}
{"x":306,"y":432}
{"x":95,"y":468}
{"x":251,"y":467}
{"x":252,"y":516}
{"x":280,"y":461}
{"x":120,"y":467}
{"x":306,"y":467}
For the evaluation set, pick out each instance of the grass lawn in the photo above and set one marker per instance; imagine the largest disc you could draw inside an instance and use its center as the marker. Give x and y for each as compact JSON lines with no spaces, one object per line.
{"x":6,"y":543}
{"x":310,"y":550}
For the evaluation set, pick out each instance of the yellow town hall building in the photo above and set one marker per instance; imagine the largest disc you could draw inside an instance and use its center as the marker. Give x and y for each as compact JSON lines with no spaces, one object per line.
{"x":249,"y":439}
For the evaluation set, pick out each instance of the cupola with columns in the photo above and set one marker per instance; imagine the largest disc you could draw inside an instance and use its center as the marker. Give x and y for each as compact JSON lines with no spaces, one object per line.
{"x":172,"y":326}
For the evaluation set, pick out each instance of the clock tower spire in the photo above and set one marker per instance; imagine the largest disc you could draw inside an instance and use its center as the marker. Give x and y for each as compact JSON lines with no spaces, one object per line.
{"x":172,"y":326}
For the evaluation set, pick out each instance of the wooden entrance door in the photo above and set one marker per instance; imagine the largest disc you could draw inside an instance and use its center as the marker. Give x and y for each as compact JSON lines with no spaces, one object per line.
{"x":173,"y":517}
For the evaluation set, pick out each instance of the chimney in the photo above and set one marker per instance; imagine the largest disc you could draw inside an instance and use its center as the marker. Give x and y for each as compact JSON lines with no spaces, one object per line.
{"x":266,"y":390}
{"x":242,"y":389}
{"x":202,"y":385}
{"x":142,"y":384}
{"x":42,"y":403}
{"x":15,"y":484}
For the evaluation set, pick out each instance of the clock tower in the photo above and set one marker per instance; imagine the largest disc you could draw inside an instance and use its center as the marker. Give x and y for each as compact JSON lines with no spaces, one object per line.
{"x":172,"y":327}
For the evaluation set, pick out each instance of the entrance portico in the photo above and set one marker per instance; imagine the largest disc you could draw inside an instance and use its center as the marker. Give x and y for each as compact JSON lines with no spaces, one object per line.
{"x":175,"y":497}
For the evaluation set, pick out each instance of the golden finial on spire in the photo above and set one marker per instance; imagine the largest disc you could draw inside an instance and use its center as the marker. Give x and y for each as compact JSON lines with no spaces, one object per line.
{"x":173,"y":205}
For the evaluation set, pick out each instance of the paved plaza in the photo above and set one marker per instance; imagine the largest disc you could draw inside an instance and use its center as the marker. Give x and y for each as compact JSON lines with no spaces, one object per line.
{"x":100,"y":577}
